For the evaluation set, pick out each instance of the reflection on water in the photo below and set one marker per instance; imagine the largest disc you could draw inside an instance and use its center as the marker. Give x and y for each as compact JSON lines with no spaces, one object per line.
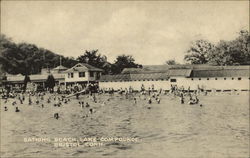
{"x":218,"y":129}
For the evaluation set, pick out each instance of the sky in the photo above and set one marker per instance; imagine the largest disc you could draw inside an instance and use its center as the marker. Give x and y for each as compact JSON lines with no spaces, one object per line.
{"x":151,"y":31}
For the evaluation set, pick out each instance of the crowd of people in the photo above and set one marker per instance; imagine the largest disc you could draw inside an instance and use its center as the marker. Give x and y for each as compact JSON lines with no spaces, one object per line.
{"x":62,"y":95}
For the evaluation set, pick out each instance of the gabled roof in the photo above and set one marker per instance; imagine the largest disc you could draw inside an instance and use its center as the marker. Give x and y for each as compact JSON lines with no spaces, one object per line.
{"x":60,"y":67}
{"x":81,"y":67}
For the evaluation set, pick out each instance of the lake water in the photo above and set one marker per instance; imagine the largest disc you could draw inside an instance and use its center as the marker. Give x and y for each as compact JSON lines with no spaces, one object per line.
{"x":220,"y":128}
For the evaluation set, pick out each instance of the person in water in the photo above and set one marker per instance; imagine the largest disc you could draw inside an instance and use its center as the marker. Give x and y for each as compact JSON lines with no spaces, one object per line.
{"x":17,"y":110}
{"x":87,"y":105}
{"x":56,"y":116}
{"x":149,"y":100}
{"x":134,"y":100}
{"x":14,"y":103}
{"x":91,"y":111}
{"x":158,"y":99}
{"x":182,"y":100}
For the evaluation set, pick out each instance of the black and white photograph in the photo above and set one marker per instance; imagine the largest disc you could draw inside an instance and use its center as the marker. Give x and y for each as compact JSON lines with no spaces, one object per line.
{"x":124,"y":79}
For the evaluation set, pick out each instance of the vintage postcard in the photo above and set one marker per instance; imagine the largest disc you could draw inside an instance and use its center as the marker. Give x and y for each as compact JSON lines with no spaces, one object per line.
{"x":115,"y":79}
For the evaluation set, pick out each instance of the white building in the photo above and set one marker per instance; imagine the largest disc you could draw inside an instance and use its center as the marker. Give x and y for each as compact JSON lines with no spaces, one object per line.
{"x":189,"y":76}
{"x":82,"y":73}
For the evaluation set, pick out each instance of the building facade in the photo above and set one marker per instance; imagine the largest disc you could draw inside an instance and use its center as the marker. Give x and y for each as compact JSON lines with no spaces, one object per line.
{"x":82,"y":73}
{"x":189,"y":77}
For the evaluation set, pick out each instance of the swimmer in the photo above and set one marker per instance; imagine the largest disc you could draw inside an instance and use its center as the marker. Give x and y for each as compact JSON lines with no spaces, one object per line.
{"x":158,"y":100}
{"x":91,"y":111}
{"x":134,"y":100}
{"x":56,"y":116}
{"x":87,"y":105}
{"x":30,"y":101}
{"x":14,"y":103}
{"x":82,"y":105}
{"x":149,"y":100}
{"x":17,"y":110}
{"x":182,"y":100}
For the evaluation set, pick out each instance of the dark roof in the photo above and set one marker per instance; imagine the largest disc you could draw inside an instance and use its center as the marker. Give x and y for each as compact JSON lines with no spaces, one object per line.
{"x":155,"y":76}
{"x":36,"y":77}
{"x":190,"y":66}
{"x":221,"y":73}
{"x":179,"y":72}
{"x":159,"y":72}
{"x":115,"y":77}
{"x":126,"y":77}
{"x":83,"y":67}
{"x":131,"y":70}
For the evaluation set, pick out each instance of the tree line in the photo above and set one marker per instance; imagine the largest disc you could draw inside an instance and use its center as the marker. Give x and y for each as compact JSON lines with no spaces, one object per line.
{"x":234,"y":52}
{"x":26,"y":59}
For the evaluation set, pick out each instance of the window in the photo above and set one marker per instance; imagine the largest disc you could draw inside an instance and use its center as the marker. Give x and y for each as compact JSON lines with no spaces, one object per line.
{"x":91,"y":74}
{"x":70,"y":75}
{"x":81,"y":74}
{"x":173,"y":80}
{"x":98,"y":75}
{"x":239,"y":78}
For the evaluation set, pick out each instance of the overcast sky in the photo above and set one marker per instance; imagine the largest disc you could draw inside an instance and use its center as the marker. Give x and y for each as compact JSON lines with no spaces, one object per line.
{"x":152,"y":32}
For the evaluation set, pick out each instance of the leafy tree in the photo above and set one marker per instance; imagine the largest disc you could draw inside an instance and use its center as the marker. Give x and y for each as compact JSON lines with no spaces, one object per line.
{"x":95,"y":59}
{"x":123,"y":61}
{"x":69,"y":61}
{"x":50,"y":82}
{"x":235,"y":52}
{"x":26,"y":81}
{"x":171,"y":62}
{"x":92,"y":58}
{"x":27,"y":58}
{"x":199,"y":52}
